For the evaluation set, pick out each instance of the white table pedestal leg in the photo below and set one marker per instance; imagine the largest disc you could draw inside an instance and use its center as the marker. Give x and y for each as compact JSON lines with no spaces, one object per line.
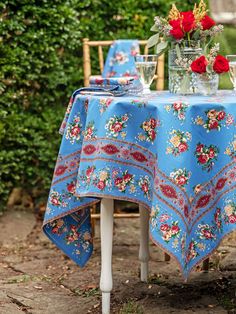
{"x":106,"y":226}
{"x":144,"y":242}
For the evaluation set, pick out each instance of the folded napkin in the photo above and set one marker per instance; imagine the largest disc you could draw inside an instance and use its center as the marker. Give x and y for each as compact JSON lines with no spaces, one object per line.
{"x":112,"y":81}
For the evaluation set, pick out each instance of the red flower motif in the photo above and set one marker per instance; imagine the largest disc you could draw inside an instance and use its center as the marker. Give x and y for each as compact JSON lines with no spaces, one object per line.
{"x":89,"y":171}
{"x":164,"y":227}
{"x":199,"y":148}
{"x":110,"y":149}
{"x":145,"y":187}
{"x":116,"y":127}
{"x":177,"y":105}
{"x":232,"y":219}
{"x":203,"y":159}
{"x":175,"y":229}
{"x":207,"y":234}
{"x":60,"y":170}
{"x":71,"y":187}
{"x":182,"y":147}
{"x":101,"y":185}
{"x":207,"y":22}
{"x":168,"y":191}
{"x":75,"y":131}
{"x":213,"y":124}
{"x":152,"y":134}
{"x":186,"y":214}
{"x":211,"y":153}
{"x":89,"y":149}
{"x":181,"y":180}
{"x":221,"y":115}
{"x":221,"y":183}
{"x":199,"y":65}
{"x":203,"y":201}
{"x":221,"y":64}
{"x":127,"y":177}
{"x":138,"y":156}
{"x":153,"y":123}
{"x":118,"y":181}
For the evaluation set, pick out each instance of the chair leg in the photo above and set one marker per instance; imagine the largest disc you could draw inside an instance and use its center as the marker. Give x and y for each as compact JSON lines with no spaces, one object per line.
{"x":107,"y":209}
{"x":144,"y":242}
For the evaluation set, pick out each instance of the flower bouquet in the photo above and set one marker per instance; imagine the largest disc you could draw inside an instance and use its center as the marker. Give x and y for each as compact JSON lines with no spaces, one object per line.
{"x":185,"y":35}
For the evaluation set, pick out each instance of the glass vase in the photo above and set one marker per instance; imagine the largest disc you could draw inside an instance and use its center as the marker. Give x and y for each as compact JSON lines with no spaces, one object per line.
{"x":181,"y":55}
{"x":207,"y":83}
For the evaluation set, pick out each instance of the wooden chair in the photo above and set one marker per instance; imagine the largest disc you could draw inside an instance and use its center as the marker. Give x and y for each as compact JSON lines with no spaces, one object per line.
{"x":87,"y":44}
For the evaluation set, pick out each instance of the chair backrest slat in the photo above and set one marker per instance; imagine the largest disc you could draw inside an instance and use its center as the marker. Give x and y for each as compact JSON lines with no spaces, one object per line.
{"x":106,"y":43}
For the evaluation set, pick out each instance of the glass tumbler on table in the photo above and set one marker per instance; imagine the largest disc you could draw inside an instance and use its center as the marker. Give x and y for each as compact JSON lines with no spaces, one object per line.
{"x":232,"y":69}
{"x":146,"y":68}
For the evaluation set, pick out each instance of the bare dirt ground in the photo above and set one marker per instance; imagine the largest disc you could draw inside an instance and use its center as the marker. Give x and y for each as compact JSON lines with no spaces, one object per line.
{"x":35,"y":277}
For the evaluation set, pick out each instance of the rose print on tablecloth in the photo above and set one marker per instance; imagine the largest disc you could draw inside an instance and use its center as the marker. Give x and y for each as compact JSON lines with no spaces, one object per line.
{"x":149,"y":127}
{"x":178,"y":108}
{"x":102,"y":179}
{"x":206,"y":156}
{"x":119,"y":58}
{"x":170,"y":231}
{"x":90,"y":131}
{"x":231,"y":148}
{"x":116,"y":125}
{"x":122,"y":182}
{"x":73,"y":131}
{"x":180,"y":176}
{"x":230,"y":213}
{"x":104,"y":103}
{"x":215,"y":120}
{"x":179,"y":142}
{"x":145,"y":186}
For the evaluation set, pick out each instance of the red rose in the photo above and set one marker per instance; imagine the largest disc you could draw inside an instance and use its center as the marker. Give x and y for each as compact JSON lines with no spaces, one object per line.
{"x":203,"y":158}
{"x":75,"y":131}
{"x":211,"y":153}
{"x":117,"y":127}
{"x":153,"y":123}
{"x":221,"y":115}
{"x":232,"y":219}
{"x":199,"y":148}
{"x":188,"y":22}
{"x":199,"y":65}
{"x":101,"y":185}
{"x":174,"y":229}
{"x":182,"y":147}
{"x":118,"y":181}
{"x":175,"y":23}
{"x":145,"y":188}
{"x":165,"y":227}
{"x":127,"y":177}
{"x":152,"y":134}
{"x":181,"y":180}
{"x":177,"y":105}
{"x":207,"y":22}
{"x":54,"y":201}
{"x":177,"y":33}
{"x":213,"y":124}
{"x":89,"y":171}
{"x":221,"y":64}
{"x":71,"y":187}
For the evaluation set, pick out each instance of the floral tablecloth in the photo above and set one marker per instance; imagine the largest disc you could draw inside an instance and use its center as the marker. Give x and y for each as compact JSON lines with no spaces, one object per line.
{"x":173,"y":154}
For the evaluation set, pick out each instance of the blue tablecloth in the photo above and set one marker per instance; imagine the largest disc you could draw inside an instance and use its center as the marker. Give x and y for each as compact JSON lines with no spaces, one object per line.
{"x":173,"y":154}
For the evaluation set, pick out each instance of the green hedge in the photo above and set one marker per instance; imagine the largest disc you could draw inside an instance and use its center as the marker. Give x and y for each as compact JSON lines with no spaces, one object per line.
{"x":41,"y":64}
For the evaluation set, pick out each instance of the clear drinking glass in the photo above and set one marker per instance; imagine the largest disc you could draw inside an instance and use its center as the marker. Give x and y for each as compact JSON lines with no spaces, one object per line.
{"x":146,"y":68}
{"x":232,"y":69}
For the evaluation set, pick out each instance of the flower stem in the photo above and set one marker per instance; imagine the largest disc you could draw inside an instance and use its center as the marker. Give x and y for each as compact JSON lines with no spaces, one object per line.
{"x":188,"y":38}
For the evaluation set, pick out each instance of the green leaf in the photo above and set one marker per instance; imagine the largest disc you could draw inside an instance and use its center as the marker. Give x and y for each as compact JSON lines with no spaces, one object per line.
{"x":153,"y":40}
{"x":154,"y":28}
{"x":161,"y":47}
